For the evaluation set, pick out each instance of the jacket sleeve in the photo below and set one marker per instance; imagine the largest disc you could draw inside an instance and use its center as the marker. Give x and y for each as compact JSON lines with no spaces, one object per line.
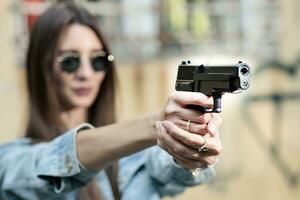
{"x":42,"y":170}
{"x":170,"y":178}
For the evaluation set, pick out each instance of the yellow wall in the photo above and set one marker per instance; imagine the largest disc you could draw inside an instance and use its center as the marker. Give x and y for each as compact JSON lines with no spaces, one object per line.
{"x":11,"y":99}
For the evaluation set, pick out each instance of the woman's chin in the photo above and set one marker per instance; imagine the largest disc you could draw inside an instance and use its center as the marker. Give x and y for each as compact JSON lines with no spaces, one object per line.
{"x":82,"y":103}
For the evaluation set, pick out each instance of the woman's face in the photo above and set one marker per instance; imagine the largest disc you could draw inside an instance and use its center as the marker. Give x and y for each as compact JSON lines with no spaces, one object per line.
{"x":79,"y":88}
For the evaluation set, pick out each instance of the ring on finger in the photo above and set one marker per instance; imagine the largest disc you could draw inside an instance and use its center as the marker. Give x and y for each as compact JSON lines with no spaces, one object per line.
{"x":187,"y":127}
{"x":204,"y":147}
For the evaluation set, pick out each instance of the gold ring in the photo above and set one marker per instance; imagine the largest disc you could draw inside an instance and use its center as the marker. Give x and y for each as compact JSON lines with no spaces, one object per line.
{"x":187,"y":127}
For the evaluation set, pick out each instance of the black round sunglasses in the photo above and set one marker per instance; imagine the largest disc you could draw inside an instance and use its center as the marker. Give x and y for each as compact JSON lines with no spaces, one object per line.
{"x":100,"y":61}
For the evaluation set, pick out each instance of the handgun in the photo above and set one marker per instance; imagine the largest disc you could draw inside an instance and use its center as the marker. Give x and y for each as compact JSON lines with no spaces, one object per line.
{"x":212,"y":81}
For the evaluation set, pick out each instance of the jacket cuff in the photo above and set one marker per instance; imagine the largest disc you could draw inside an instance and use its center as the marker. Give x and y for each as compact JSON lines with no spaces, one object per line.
{"x":63,"y":164}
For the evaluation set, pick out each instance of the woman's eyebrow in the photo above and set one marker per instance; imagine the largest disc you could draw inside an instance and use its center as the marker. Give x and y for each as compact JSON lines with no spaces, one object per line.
{"x":98,"y":50}
{"x":67,"y":51}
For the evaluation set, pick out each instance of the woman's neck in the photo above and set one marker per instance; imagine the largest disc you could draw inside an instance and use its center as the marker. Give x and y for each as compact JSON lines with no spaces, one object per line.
{"x":74,"y":117}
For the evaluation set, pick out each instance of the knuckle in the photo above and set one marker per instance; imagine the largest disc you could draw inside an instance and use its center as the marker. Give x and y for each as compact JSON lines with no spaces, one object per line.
{"x":192,"y":143}
{"x":171,"y":133}
{"x":201,"y":128}
{"x":173,"y":96}
{"x":205,"y":118}
{"x":217,"y":150}
{"x":179,"y":151}
{"x":179,"y":123}
{"x":171,"y":112}
{"x":168,"y":110}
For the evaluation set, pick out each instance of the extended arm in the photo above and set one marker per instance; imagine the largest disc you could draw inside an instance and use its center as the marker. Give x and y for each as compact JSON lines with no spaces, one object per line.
{"x":99,"y":147}
{"x":54,"y":168}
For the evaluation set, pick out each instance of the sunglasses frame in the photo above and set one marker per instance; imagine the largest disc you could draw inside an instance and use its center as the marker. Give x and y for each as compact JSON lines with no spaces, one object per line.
{"x":103,"y":54}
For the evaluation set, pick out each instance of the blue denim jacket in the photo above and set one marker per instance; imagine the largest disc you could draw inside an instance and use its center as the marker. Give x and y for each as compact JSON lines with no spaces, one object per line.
{"x":51,"y":170}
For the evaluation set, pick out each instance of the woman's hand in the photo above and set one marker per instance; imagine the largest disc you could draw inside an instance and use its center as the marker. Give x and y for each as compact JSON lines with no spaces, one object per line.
{"x":184,"y":146}
{"x":187,"y":130}
{"x":177,"y":112}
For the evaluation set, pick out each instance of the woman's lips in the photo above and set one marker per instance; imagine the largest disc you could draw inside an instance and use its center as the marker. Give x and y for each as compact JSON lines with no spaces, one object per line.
{"x":83,"y":91}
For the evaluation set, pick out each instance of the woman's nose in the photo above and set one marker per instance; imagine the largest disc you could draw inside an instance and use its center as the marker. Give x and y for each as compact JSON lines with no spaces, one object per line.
{"x":85,"y":69}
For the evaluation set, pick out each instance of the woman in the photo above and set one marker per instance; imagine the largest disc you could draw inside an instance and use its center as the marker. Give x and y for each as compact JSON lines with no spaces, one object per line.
{"x":70,"y":75}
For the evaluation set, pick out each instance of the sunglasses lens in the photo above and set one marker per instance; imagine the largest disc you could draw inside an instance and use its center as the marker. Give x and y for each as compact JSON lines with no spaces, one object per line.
{"x":99,"y":63}
{"x":70,"y":64}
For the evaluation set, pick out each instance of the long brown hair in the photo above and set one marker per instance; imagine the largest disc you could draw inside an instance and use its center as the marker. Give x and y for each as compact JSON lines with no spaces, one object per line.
{"x":44,"y":123}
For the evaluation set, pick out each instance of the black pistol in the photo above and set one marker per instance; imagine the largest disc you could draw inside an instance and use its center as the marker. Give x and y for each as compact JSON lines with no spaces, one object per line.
{"x":213,"y":81}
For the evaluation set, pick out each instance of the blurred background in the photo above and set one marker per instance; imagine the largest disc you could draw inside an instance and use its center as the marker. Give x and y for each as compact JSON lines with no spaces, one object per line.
{"x":150,"y":38}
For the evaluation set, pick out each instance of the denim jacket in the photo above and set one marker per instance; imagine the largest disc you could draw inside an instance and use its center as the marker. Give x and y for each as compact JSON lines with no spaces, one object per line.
{"x":51,"y":170}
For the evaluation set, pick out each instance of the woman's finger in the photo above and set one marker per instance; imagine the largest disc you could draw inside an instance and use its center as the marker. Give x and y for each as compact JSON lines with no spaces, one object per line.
{"x":194,"y":115}
{"x":192,"y":127}
{"x":193,"y":140}
{"x":213,"y":125}
{"x":193,"y":164}
{"x":176,"y":112}
{"x":192,"y":98}
{"x":188,"y":163}
{"x":175,"y":147}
